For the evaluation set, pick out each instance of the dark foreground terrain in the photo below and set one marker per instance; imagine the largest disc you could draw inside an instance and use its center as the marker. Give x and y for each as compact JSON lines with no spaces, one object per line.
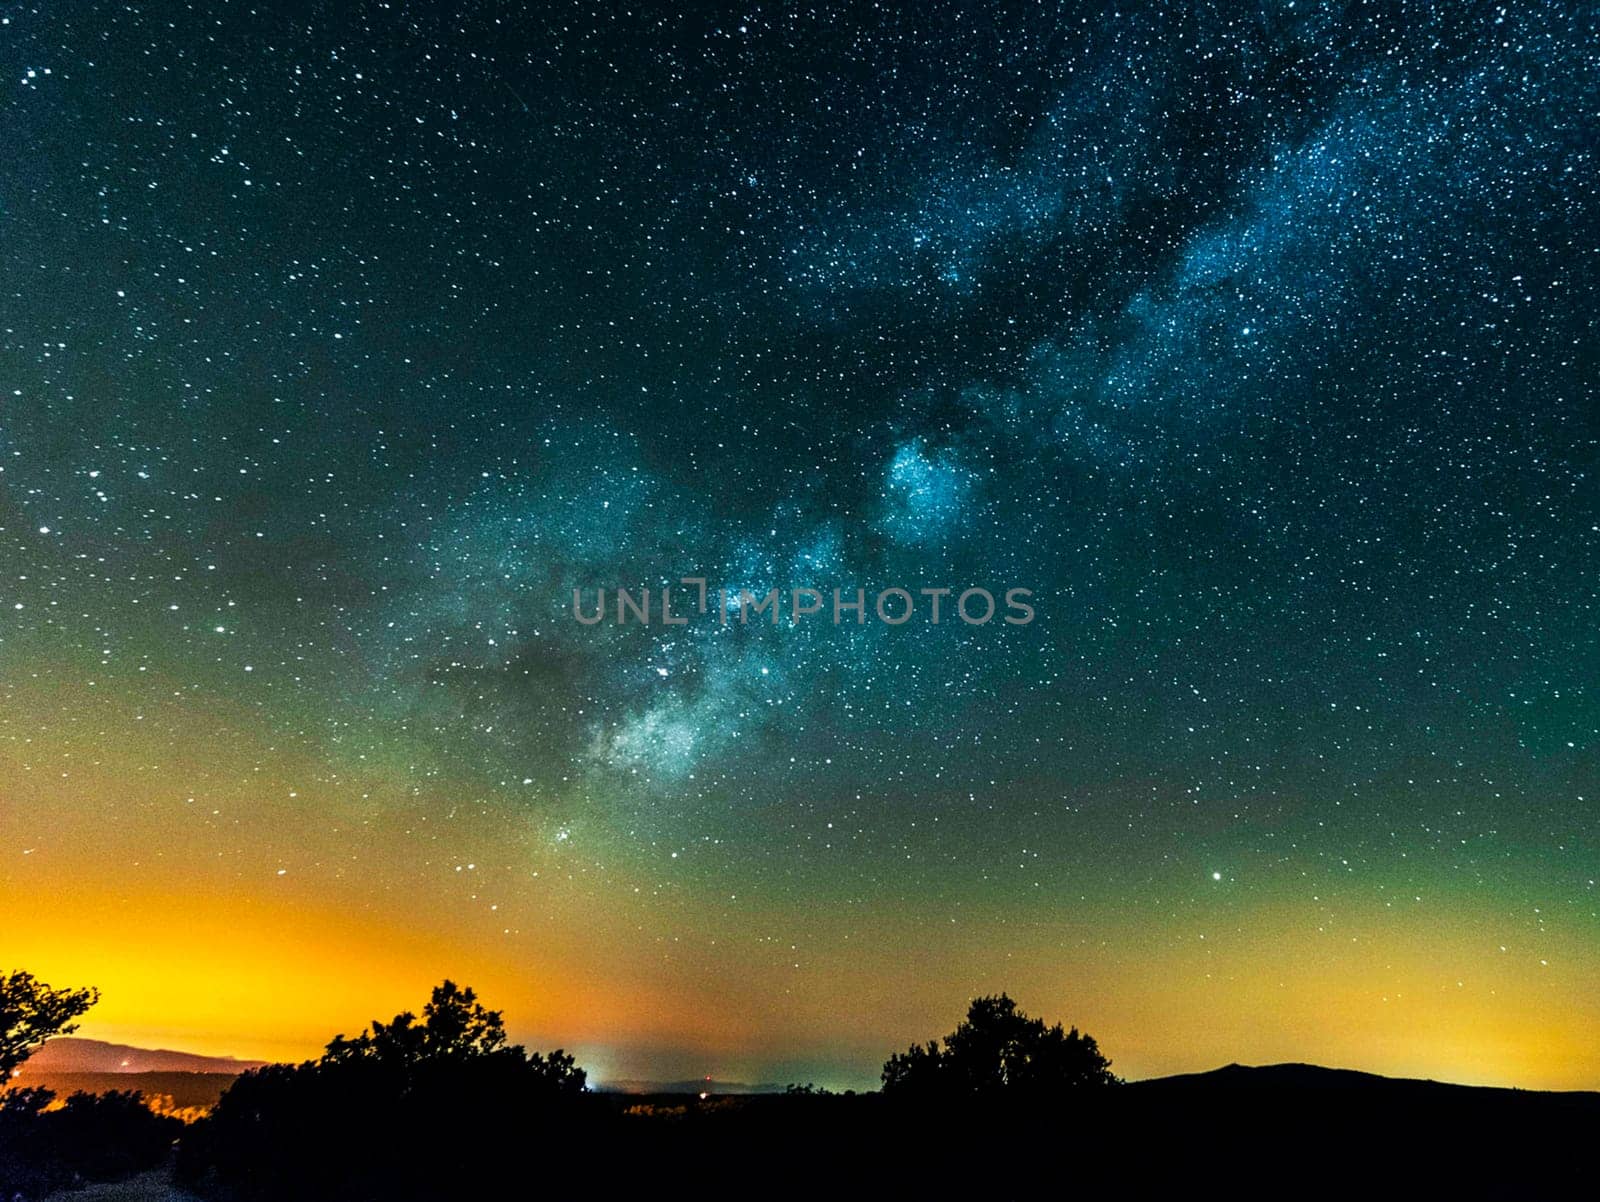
{"x":1280,"y":1131}
{"x":1284,"y":1131}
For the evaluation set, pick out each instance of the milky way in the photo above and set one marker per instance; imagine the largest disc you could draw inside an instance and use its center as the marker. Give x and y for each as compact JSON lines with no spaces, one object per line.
{"x":1257,"y":341}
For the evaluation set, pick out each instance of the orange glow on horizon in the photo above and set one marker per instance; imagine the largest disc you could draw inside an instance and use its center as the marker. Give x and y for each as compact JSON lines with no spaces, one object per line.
{"x":261,"y":978}
{"x":269,"y":952}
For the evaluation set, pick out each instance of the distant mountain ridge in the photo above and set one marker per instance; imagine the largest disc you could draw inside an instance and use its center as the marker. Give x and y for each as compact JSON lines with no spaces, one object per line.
{"x":1290,"y":1078}
{"x":1293,"y":1077}
{"x":70,"y":1054}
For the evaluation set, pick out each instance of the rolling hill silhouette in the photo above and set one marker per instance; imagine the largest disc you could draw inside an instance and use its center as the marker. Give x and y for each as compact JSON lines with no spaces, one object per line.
{"x":1313,"y":1078}
{"x":70,"y":1054}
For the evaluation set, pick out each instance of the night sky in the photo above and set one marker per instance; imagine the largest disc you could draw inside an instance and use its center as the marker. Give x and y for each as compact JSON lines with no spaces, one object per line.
{"x":340,"y":343}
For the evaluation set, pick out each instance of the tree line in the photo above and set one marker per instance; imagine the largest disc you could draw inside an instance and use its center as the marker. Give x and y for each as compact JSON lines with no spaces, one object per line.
{"x":440,"y":1105}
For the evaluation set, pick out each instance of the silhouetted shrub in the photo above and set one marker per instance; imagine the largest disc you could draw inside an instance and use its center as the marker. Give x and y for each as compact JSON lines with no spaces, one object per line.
{"x":407,"y":1109}
{"x":91,"y":1137}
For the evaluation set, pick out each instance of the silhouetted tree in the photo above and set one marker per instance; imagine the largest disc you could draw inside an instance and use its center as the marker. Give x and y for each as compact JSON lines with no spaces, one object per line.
{"x":456,"y":1030}
{"x":88,"y":1137}
{"x":32,"y":1012}
{"x":998,"y":1052}
{"x":94,"y":1137}
{"x":407,"y":1109}
{"x":454,"y":1025}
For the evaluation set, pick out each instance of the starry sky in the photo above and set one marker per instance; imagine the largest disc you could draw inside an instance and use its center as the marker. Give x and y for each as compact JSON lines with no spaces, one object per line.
{"x":340,"y":343}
